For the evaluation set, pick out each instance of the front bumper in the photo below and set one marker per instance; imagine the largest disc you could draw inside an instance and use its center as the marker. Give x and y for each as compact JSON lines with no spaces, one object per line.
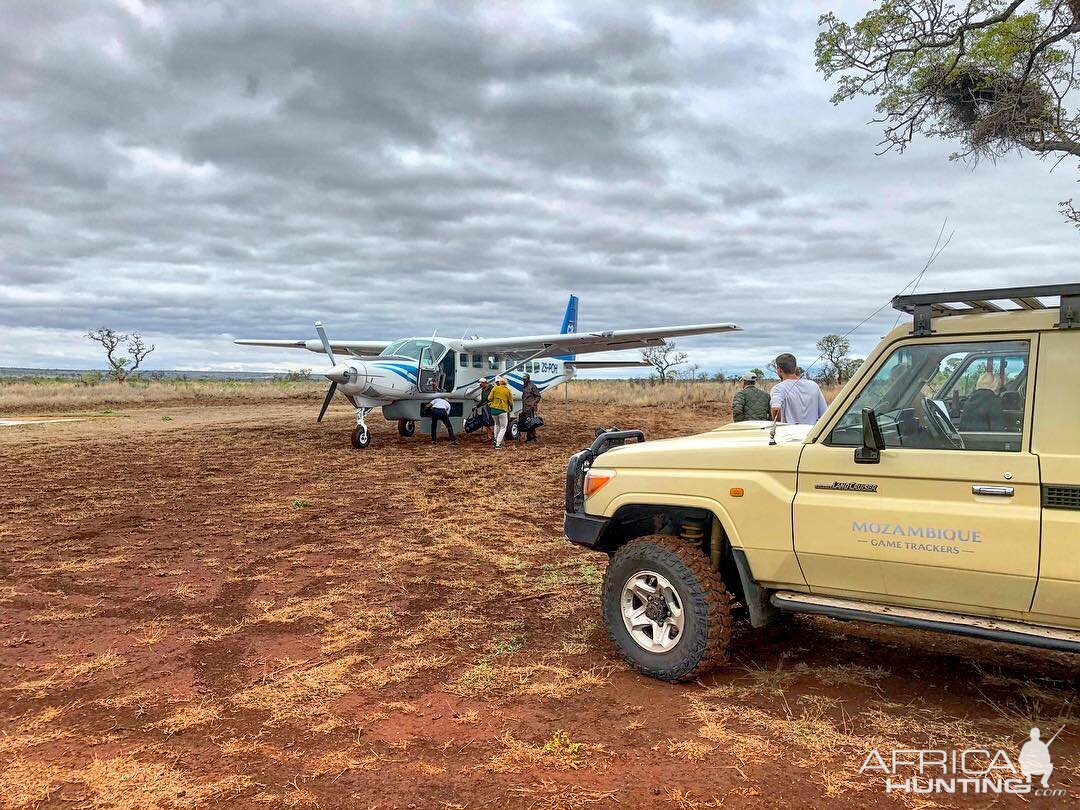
{"x":581,"y":528}
{"x":585,"y":530}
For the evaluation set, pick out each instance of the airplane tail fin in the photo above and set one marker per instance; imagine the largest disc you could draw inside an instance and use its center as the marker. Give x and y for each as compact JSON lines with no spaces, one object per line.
{"x":569,"y":323}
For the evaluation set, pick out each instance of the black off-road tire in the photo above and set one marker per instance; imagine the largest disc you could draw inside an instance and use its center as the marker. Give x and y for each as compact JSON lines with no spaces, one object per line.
{"x":706,"y":602}
{"x":406,"y":427}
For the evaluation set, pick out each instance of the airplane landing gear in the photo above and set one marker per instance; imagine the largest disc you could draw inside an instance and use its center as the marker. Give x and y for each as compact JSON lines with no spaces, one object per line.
{"x":406,"y":427}
{"x":361,"y":436}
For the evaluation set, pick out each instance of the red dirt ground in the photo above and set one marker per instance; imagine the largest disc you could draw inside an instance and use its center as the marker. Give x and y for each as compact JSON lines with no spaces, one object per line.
{"x":229,"y":606}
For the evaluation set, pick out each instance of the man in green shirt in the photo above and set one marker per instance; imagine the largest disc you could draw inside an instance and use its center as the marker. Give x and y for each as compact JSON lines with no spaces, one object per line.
{"x":751,"y":402}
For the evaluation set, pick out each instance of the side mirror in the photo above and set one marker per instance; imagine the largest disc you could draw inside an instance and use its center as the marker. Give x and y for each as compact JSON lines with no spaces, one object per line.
{"x":872,"y":442}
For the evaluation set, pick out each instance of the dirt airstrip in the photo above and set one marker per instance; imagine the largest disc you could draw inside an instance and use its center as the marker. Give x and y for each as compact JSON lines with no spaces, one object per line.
{"x":229,"y":606}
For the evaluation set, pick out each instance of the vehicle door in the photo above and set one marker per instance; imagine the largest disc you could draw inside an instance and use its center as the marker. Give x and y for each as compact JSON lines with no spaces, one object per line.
{"x":1056,"y":440}
{"x":942,"y":519}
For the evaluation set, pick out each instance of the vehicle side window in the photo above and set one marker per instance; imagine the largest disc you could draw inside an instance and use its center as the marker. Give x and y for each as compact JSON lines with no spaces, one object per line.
{"x":948,"y":396}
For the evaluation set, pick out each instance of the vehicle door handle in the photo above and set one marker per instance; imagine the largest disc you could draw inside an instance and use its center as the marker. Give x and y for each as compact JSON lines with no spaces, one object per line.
{"x":1003,"y":492}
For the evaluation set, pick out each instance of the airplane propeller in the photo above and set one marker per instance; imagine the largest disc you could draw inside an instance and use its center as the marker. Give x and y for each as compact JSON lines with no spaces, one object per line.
{"x":335,"y":375}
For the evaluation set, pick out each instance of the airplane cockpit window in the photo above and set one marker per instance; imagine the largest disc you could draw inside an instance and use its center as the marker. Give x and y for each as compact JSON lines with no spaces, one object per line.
{"x":412,"y":347}
{"x":950,"y":396}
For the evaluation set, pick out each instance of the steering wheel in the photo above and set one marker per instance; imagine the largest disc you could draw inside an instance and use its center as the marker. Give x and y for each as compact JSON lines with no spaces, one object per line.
{"x":940,"y":426}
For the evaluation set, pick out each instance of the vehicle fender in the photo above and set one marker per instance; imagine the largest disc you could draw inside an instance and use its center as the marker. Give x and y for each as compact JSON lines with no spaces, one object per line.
{"x":690,"y":501}
{"x":755,"y":597}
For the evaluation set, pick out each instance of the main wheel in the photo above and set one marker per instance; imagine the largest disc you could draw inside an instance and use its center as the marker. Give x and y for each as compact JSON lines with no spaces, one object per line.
{"x":512,"y":431}
{"x":406,"y":427}
{"x":361,"y":438}
{"x":666,"y":609}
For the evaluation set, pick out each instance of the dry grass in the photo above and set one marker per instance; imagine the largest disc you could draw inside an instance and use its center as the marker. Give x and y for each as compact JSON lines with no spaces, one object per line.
{"x":647,"y":393}
{"x":201,"y":714}
{"x":536,"y":680}
{"x":553,"y":795}
{"x":68,"y":672}
{"x":121,"y":782}
{"x":52,"y":395}
{"x":557,"y":754}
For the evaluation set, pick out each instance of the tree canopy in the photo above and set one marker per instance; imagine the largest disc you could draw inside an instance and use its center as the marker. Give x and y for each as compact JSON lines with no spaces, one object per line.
{"x":996,"y":75}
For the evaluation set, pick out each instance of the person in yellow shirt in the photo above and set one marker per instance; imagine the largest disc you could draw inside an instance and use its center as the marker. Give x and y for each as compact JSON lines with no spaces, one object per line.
{"x":500,"y":404}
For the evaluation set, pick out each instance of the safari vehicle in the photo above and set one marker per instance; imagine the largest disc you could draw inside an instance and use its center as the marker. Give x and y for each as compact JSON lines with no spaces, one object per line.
{"x":940,"y":490}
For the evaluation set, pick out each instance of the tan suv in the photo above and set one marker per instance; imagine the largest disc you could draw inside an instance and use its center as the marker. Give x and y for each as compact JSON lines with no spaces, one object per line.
{"x":941,"y":490}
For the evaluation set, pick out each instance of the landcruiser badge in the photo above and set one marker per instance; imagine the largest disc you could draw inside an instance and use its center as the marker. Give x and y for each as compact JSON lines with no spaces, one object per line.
{"x":848,"y":486}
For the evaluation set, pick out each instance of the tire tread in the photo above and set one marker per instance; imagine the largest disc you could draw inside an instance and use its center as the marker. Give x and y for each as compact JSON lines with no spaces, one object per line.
{"x":706,"y":587}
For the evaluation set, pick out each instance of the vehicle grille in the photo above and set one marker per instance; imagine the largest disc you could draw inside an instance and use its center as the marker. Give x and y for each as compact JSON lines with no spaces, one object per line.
{"x":1056,"y":496}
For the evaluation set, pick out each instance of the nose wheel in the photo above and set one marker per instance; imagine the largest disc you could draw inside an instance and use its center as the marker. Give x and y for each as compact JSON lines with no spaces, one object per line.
{"x":361,"y":436}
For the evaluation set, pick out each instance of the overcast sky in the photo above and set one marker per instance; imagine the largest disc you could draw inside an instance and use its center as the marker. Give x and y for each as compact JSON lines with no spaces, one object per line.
{"x":202,"y":171}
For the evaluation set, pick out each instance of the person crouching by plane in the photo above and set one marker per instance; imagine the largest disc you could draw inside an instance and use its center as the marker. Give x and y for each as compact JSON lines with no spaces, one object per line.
{"x":530,"y":404}
{"x":440,"y":412}
{"x":500,"y":404}
{"x":750,"y":402}
{"x":795,"y":400}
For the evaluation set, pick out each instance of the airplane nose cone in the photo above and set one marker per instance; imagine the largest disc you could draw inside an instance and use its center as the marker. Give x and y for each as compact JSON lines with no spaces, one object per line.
{"x":338,"y":374}
{"x":351,"y":374}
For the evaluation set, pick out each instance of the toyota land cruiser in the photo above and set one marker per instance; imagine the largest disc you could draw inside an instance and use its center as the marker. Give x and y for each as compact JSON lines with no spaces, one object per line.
{"x":940,"y":490}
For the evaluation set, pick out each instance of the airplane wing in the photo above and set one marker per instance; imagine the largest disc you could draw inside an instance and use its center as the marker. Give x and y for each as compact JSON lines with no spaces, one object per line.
{"x":587,"y":364}
{"x":588,"y":342}
{"x":360,"y":347}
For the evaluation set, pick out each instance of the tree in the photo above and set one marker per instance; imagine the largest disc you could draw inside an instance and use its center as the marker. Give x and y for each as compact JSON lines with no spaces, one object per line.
{"x":113,"y":341}
{"x":664,"y":358}
{"x":994,"y":74}
{"x":834,"y":350}
{"x":851,"y":365}
{"x":759,"y":373}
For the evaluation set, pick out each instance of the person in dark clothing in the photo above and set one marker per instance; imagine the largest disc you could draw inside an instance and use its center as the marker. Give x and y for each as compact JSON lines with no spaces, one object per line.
{"x":440,"y":412}
{"x":750,"y":402}
{"x":983,"y":410}
{"x":530,"y":404}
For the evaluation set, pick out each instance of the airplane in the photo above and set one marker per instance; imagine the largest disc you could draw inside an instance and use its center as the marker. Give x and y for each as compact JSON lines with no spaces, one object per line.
{"x":403,"y":376}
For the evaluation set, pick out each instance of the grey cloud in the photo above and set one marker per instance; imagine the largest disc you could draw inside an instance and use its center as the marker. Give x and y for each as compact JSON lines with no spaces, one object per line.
{"x":206,"y":169}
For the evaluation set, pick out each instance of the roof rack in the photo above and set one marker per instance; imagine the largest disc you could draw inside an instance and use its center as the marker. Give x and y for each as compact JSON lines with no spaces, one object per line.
{"x":924,"y":307}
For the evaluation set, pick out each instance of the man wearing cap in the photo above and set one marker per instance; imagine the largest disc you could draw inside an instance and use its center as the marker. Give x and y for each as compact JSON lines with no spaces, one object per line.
{"x":482,"y":407}
{"x":530,"y":403}
{"x":750,"y":402}
{"x":500,"y":405}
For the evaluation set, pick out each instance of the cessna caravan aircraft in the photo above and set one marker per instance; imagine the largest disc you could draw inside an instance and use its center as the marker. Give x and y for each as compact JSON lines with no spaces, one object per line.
{"x":403,"y":376}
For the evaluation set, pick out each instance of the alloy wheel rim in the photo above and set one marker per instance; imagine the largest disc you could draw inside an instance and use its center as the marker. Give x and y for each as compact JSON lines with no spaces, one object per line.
{"x":652,"y":612}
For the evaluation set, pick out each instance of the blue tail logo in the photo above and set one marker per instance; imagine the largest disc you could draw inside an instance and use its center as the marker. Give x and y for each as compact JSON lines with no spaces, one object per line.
{"x":569,"y":324}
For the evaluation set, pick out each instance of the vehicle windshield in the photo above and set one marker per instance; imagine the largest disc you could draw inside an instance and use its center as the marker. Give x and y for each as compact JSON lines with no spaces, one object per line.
{"x":411,"y":348}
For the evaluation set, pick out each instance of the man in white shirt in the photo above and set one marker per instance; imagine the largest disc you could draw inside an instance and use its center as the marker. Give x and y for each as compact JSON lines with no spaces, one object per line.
{"x":795,"y":400}
{"x":440,"y":412}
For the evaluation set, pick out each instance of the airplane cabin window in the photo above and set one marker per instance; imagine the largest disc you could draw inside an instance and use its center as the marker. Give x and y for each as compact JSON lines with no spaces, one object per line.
{"x":948,"y":396}
{"x":464,"y":361}
{"x":493,"y":362}
{"x":478,"y":361}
